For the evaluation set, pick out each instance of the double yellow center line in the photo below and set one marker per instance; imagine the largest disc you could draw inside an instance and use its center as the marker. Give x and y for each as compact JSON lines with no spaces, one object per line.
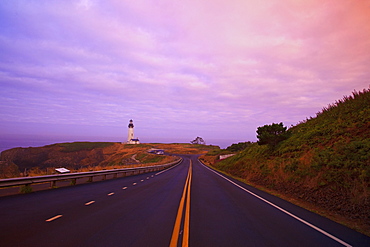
{"x":176,"y":229}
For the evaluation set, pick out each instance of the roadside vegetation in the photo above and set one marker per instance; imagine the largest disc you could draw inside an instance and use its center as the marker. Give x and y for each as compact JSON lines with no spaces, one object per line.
{"x":322,"y":163}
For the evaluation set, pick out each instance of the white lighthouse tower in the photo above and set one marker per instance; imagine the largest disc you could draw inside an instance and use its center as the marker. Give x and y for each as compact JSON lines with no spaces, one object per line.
{"x":130,"y":138}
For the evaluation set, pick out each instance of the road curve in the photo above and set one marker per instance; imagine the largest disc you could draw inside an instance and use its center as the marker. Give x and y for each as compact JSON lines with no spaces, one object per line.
{"x":186,"y":205}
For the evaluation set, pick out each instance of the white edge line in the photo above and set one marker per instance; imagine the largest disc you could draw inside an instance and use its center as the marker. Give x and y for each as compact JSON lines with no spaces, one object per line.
{"x":283,"y":210}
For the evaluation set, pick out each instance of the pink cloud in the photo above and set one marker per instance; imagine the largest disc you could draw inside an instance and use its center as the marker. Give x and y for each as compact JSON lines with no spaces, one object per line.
{"x":247,"y":61}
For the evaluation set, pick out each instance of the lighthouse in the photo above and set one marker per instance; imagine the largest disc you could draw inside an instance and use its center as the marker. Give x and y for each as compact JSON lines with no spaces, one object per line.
{"x":130,"y":137}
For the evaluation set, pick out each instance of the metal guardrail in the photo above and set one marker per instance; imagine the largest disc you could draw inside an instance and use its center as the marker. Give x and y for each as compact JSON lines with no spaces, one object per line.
{"x":28,"y":181}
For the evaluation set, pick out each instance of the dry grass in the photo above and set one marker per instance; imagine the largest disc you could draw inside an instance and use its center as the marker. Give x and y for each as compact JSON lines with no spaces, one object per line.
{"x":184,"y":148}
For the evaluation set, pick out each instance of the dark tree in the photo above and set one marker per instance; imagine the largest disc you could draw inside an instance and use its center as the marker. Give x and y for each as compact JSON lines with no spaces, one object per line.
{"x":272,"y":134}
{"x":238,"y":147}
{"x":198,"y":140}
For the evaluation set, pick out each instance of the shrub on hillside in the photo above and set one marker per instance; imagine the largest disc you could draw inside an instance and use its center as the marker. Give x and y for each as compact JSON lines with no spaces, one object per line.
{"x":272,"y":134}
{"x":238,"y":147}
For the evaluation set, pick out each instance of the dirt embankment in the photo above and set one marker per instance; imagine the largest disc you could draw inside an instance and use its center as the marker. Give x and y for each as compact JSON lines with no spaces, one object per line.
{"x":8,"y":169}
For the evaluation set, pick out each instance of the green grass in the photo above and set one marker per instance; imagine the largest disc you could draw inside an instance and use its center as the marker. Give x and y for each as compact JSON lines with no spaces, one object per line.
{"x":25,"y":189}
{"x":150,"y":158}
{"x":141,"y":145}
{"x":78,"y":146}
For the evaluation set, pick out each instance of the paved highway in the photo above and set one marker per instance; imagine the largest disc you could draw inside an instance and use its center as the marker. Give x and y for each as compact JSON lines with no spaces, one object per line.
{"x":186,"y":205}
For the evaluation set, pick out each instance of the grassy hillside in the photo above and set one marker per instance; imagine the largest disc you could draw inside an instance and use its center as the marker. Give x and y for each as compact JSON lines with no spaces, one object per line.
{"x":78,"y":146}
{"x":325,"y":163}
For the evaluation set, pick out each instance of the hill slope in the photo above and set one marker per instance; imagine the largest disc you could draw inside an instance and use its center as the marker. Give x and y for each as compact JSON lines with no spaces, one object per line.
{"x":84,"y":156}
{"x":76,"y":156}
{"x":324,"y":163}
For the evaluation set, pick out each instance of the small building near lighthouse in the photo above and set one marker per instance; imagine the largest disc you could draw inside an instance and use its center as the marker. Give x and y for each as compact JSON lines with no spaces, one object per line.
{"x":130,"y":137}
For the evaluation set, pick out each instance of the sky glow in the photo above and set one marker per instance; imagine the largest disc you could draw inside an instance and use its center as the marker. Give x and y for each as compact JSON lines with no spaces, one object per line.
{"x":179,"y":69}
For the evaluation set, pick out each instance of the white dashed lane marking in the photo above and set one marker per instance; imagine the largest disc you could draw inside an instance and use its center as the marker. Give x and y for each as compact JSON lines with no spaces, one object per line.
{"x":89,"y":203}
{"x":54,"y":218}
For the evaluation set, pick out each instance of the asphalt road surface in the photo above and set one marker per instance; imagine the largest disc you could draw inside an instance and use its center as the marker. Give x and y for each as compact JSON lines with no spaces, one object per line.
{"x":186,"y":205}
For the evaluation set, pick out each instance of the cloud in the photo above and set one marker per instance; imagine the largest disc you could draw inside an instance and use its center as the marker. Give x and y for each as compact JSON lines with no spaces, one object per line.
{"x":194,"y":66}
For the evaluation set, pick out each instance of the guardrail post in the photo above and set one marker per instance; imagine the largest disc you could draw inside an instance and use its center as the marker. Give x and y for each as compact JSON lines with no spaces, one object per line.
{"x":90,"y":179}
{"x":115,"y":175}
{"x":104,"y":177}
{"x":53,"y":184}
{"x":73,"y":181}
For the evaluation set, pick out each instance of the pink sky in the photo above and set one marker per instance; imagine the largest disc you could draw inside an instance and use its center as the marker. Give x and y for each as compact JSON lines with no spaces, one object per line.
{"x":180,"y":69}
